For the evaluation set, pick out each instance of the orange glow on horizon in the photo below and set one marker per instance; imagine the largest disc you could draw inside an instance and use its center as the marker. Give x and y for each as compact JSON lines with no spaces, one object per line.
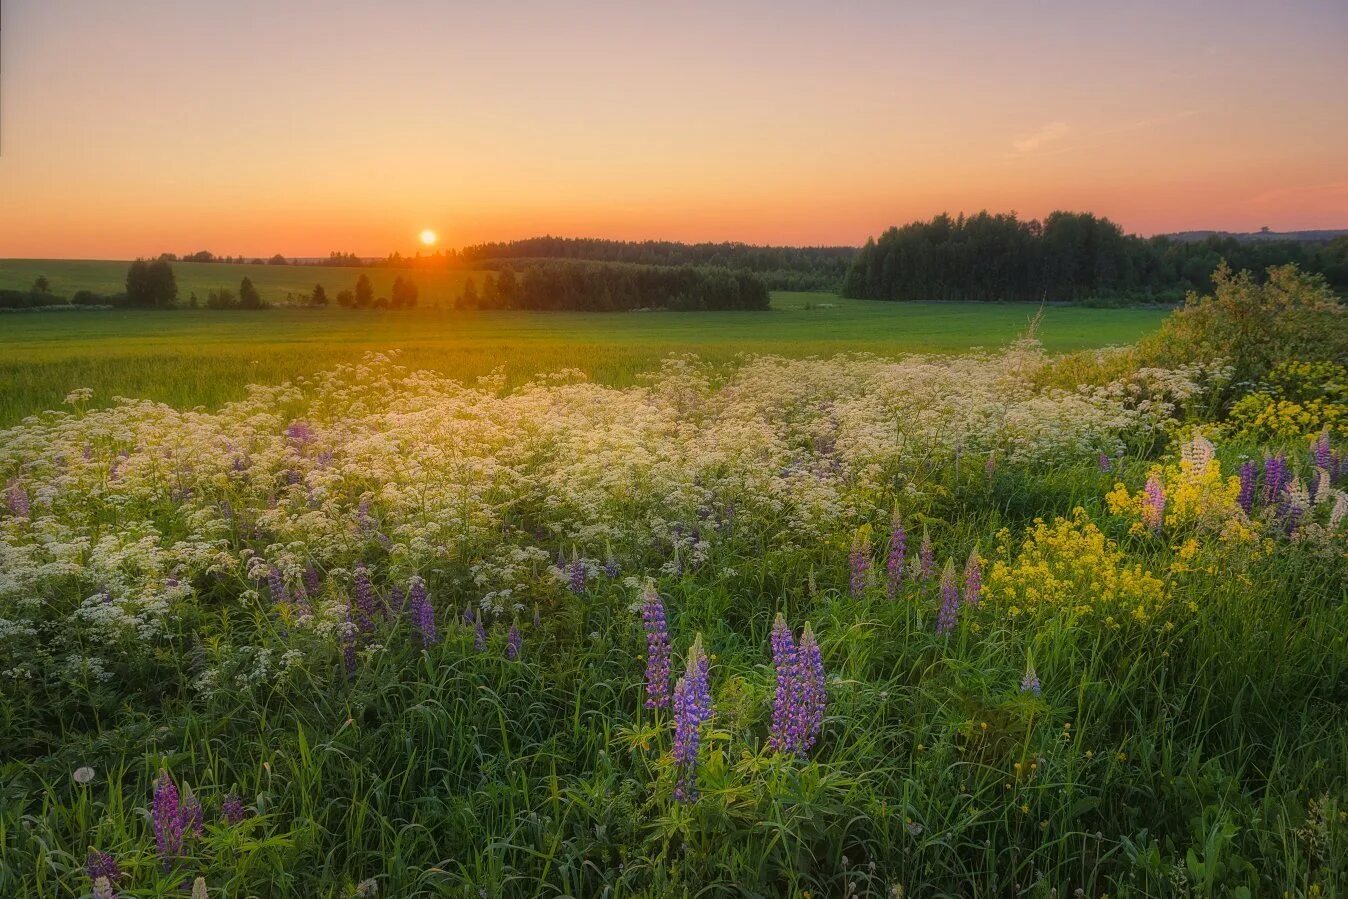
{"x":639,"y":122}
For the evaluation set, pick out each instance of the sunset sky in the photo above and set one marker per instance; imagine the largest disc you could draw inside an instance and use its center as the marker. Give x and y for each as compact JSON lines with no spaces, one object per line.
{"x":143,"y":126}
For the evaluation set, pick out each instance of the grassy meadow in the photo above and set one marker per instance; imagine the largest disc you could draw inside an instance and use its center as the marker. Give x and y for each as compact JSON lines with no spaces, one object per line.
{"x":1001,"y":623}
{"x":196,"y":357}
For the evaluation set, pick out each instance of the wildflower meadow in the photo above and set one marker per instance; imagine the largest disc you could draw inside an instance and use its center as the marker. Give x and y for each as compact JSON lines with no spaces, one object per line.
{"x":992,"y":624}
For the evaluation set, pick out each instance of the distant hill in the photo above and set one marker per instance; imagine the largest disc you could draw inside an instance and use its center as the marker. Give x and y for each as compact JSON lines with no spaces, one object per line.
{"x":1323,"y":236}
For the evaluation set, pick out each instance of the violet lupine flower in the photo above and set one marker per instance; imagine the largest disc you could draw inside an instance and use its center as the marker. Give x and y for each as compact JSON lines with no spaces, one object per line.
{"x":102,"y":864}
{"x":926,"y":558}
{"x":973,"y":579}
{"x":1276,"y":478}
{"x":276,"y":585}
{"x":169,"y":822}
{"x":860,"y":562}
{"x":657,"y":647}
{"x":16,"y":499}
{"x":1249,"y":474}
{"x":1322,"y":454}
{"x":781,"y":737}
{"x":1030,"y":682}
{"x":898,"y":552}
{"x":364,"y":603}
{"x":692,"y":709}
{"x":1104,"y":462}
{"x":810,"y":678}
{"x":950,"y":600}
{"x":611,"y":567}
{"x":468,"y":614}
{"x":300,"y":432}
{"x":232,"y":809}
{"x":798,"y":701}
{"x":313,"y":581}
{"x":513,"y":643}
{"x":1153,"y":503}
{"x":103,"y":889}
{"x":577,"y":574}
{"x":479,"y":633}
{"x":422,"y":612}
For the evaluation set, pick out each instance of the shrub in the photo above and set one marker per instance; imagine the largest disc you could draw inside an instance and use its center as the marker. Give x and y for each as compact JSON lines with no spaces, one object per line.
{"x":1292,"y":315}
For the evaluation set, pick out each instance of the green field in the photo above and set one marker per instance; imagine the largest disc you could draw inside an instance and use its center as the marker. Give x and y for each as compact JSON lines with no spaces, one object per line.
{"x":274,"y":282}
{"x":187,"y":358}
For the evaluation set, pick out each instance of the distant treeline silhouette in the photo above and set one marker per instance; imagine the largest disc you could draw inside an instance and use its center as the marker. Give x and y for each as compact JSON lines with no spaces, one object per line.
{"x":582,"y":286}
{"x":1067,"y":256}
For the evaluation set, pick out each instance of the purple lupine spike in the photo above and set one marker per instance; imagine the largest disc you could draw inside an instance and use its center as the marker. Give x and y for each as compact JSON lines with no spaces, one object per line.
{"x":656,"y":625}
{"x":365,"y":605}
{"x":1249,"y":475}
{"x":577,"y":574}
{"x":990,"y":466}
{"x":810,"y":677}
{"x":479,"y":634}
{"x":300,"y":432}
{"x":166,"y":815}
{"x":692,"y":709}
{"x":313,"y":581}
{"x":898,"y":552}
{"x":780,"y":736}
{"x":950,"y":600}
{"x":102,"y":864}
{"x":1153,"y":502}
{"x":1276,"y":478}
{"x":232,"y":809}
{"x":859,"y":560}
{"x":611,"y":567}
{"x":276,"y":585}
{"x":973,"y":580}
{"x":1322,"y":453}
{"x":926,"y":557}
{"x":468,"y":617}
{"x":1104,"y":462}
{"x":512,"y":649}
{"x":1030,"y":682}
{"x":422,"y":611}
{"x":16,"y":499}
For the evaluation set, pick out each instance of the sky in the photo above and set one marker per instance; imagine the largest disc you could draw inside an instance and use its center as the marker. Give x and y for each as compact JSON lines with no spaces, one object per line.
{"x":243,"y":127}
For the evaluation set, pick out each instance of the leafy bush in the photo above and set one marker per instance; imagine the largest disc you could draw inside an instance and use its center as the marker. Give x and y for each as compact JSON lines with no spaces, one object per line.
{"x":1292,"y":315}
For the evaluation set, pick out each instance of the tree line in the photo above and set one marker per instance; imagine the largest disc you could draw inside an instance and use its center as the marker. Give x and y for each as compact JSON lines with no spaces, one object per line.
{"x":545,"y":286}
{"x":581,"y":286}
{"x":1068,"y":256}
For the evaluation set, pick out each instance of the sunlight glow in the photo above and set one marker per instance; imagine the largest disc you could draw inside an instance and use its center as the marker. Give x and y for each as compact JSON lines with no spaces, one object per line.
{"x":428,"y":237}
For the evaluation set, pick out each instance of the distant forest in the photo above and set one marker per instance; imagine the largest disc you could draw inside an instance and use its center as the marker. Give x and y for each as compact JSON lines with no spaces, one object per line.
{"x":1066,"y":257}
{"x":613,"y":288}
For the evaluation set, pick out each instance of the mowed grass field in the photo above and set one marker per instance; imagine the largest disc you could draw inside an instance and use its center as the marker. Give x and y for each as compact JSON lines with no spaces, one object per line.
{"x":190,"y":358}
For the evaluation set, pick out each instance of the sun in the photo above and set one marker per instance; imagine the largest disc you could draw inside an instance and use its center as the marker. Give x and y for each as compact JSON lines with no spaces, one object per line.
{"x":428,"y":237}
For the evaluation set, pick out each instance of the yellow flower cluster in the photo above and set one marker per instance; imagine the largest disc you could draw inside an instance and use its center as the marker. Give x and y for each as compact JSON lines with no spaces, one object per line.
{"x":1297,"y":399}
{"x":1069,"y":565}
{"x":1266,"y":416}
{"x":1198,"y":500}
